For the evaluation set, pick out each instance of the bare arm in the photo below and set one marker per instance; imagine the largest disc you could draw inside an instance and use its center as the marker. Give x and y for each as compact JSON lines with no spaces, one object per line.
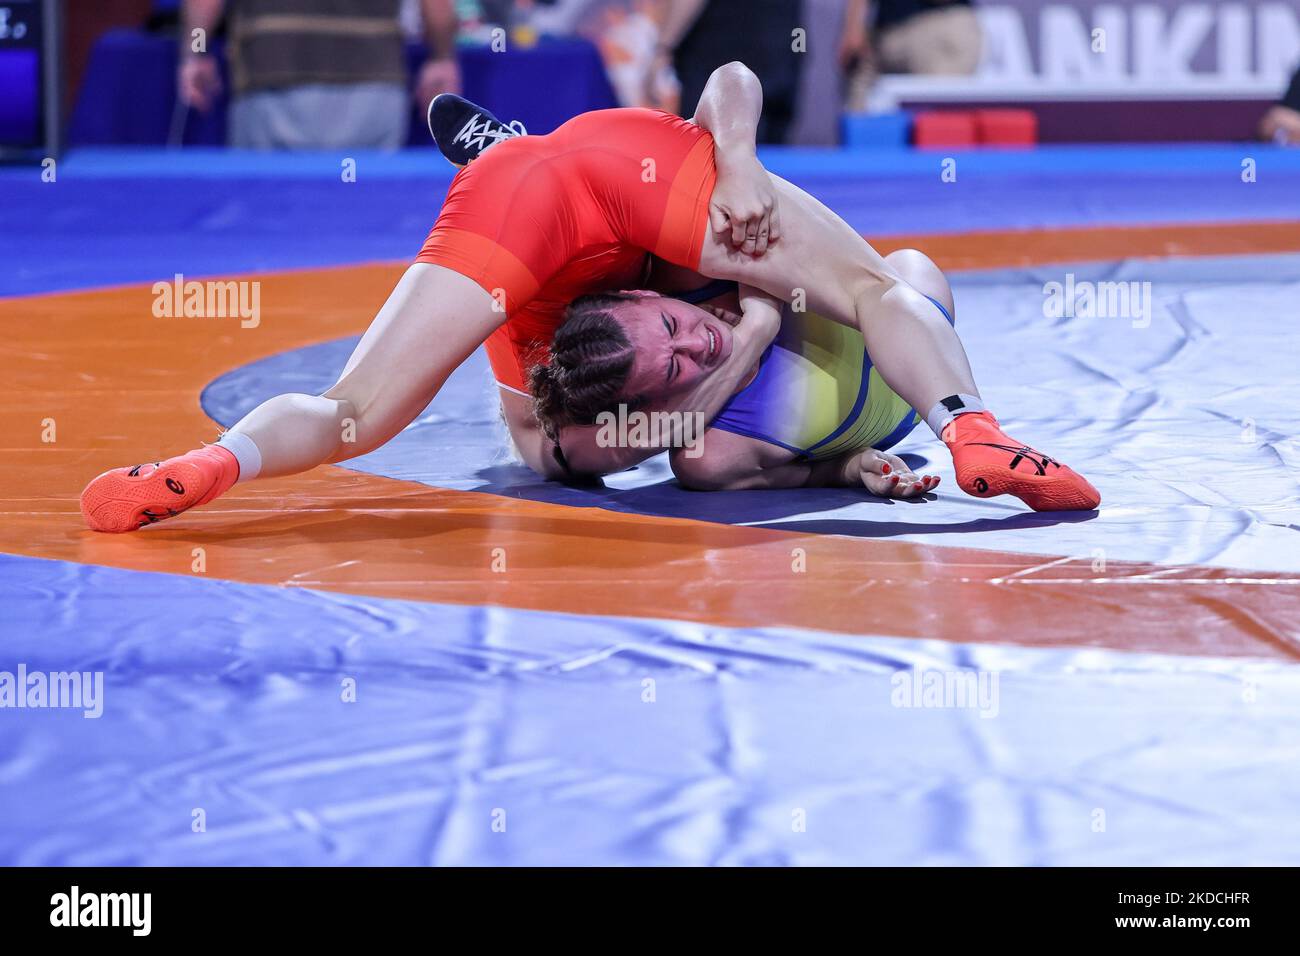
{"x":729,"y":109}
{"x":679,"y":17}
{"x":197,"y":79}
{"x":200,"y":15}
{"x":743,"y":208}
{"x":758,"y":325}
{"x":440,"y":24}
{"x":738,"y":463}
{"x":440,"y":72}
{"x":853,"y":38}
{"x":732,"y":462}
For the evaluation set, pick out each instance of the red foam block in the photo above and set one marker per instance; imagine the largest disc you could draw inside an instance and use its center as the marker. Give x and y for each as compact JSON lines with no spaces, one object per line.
{"x":947,"y":128}
{"x":1006,"y":127}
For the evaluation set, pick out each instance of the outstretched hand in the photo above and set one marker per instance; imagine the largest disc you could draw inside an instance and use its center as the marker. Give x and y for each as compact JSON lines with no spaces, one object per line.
{"x":888,"y":476}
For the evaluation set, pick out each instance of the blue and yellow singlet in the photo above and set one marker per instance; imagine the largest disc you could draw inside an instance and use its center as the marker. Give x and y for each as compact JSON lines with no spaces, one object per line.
{"x":816,"y":392}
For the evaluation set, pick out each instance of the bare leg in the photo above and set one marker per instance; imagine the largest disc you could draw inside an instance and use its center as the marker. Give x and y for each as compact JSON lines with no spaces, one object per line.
{"x":919,"y":271}
{"x":430,"y":324}
{"x":918,"y":334}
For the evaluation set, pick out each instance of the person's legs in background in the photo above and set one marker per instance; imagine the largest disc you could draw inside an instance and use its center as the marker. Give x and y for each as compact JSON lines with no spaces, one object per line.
{"x":321,"y":116}
{"x":758,"y":33}
{"x":819,"y":99}
{"x":316,"y":76}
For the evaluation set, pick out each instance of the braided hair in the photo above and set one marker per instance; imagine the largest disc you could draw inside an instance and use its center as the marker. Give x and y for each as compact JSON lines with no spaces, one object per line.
{"x":591,"y":359}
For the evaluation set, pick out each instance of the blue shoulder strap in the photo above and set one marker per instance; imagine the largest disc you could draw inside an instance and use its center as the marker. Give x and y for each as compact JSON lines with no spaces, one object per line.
{"x":711,"y":291}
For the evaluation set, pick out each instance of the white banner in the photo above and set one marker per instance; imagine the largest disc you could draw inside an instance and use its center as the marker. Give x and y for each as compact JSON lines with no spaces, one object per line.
{"x":1156,"y":43}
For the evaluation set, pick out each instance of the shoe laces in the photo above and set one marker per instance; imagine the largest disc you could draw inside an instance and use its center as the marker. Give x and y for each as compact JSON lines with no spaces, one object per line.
{"x":479,"y":129}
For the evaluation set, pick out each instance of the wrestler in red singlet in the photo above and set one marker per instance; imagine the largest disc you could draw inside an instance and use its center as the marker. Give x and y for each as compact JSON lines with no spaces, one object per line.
{"x":539,"y":220}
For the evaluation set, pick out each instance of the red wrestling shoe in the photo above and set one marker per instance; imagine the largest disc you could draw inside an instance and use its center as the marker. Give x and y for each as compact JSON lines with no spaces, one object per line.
{"x":990,"y":463}
{"x":128,"y":498}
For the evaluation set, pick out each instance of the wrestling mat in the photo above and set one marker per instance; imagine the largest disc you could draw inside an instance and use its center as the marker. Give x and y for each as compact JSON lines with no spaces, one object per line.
{"x":431,"y":657}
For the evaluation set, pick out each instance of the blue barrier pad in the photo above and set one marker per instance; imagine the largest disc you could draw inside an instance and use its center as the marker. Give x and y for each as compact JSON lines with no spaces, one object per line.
{"x":876,"y":130}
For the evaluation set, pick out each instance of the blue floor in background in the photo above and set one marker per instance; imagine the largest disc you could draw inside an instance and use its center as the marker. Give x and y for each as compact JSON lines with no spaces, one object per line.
{"x":115,"y":217}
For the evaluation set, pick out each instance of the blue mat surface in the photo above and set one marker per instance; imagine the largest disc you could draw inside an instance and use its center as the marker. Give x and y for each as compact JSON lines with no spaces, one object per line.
{"x":118,"y":216}
{"x":606,"y":742}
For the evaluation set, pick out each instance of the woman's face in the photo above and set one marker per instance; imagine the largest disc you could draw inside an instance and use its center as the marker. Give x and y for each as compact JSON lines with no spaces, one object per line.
{"x":677,"y":345}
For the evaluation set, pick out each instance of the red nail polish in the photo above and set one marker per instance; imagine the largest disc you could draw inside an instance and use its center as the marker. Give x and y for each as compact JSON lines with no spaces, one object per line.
{"x":885,"y":469}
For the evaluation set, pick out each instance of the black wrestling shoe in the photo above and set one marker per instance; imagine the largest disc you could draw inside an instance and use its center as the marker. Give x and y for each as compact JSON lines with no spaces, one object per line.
{"x":463,"y":131}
